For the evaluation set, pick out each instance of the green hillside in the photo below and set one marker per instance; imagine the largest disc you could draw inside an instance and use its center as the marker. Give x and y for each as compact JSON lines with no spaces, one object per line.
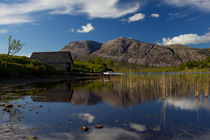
{"x":21,"y":65}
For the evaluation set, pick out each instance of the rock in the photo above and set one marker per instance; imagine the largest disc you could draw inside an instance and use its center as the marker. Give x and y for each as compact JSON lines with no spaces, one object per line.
{"x":23,"y":137}
{"x":2,"y":104}
{"x":4,"y":109}
{"x":34,"y":138}
{"x":136,"y":52}
{"x":84,"y":128}
{"x":81,"y":48}
{"x":99,"y":126}
{"x":8,"y":106}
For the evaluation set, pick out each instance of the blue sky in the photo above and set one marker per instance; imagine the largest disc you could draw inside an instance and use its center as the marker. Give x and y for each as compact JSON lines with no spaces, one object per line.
{"x":48,"y":25}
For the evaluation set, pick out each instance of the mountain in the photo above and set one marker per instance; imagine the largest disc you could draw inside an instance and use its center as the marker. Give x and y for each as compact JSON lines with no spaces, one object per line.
{"x":136,"y":52}
{"x":81,"y":48}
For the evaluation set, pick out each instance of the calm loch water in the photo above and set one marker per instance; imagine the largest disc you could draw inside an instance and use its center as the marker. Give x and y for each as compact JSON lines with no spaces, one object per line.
{"x":150,"y":107}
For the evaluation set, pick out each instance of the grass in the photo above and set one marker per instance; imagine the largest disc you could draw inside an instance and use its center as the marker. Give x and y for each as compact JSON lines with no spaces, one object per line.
{"x":21,"y":65}
{"x":99,"y":64}
{"x":87,"y":67}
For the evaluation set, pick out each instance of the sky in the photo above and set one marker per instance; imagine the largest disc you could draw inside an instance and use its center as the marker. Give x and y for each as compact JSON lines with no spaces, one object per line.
{"x":49,"y":25}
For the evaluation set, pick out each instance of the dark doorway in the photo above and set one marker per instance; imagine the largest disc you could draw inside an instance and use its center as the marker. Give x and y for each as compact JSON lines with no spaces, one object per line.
{"x":68,"y":67}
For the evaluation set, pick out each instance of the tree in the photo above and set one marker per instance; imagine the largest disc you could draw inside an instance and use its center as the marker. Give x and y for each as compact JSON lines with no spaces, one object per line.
{"x":90,"y":60}
{"x":98,"y":60}
{"x":110,"y":63}
{"x":14,"y":47}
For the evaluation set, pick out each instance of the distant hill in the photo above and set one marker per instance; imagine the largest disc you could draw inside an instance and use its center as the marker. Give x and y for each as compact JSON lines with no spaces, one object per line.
{"x":81,"y":48}
{"x":136,"y":52}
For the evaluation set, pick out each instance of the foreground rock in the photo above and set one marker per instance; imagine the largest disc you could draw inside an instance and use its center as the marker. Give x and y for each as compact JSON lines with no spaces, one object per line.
{"x":99,"y":126}
{"x":84,"y":128}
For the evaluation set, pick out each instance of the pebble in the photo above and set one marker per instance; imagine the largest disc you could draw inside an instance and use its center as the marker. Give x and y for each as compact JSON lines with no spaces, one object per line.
{"x":34,"y":138}
{"x":23,"y":137}
{"x":2,"y":104}
{"x":99,"y":126}
{"x":84,"y":128}
{"x":4,"y":109}
{"x":8,"y":106}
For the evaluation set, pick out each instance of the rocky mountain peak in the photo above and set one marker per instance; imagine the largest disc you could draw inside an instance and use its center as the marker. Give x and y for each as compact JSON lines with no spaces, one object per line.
{"x":136,"y":52}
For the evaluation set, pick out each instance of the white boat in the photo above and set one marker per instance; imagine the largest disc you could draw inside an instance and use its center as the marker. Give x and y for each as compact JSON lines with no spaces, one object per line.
{"x":112,"y":73}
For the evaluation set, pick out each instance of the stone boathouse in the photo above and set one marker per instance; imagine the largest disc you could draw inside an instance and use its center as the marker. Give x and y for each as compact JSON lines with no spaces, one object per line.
{"x":59,"y":60}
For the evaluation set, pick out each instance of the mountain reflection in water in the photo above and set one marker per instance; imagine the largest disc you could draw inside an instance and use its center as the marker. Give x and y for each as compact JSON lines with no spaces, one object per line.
{"x":132,"y":108}
{"x":120,"y":93}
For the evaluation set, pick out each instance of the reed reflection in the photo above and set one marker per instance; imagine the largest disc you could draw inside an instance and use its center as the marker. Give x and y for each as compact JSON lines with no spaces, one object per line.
{"x":125,"y":92}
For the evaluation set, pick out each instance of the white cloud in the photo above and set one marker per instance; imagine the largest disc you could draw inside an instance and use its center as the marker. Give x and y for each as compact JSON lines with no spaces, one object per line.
{"x":3,"y":31}
{"x":136,"y":17}
{"x":107,"y":133}
{"x":21,"y":12}
{"x":187,"y":39}
{"x":27,"y":55}
{"x":155,"y":15}
{"x":86,"y":28}
{"x":200,"y":4}
{"x":138,"y":127}
{"x":187,"y":104}
{"x":86,"y":117}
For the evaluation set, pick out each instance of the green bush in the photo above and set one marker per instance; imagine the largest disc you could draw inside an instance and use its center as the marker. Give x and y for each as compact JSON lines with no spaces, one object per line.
{"x":205,"y":64}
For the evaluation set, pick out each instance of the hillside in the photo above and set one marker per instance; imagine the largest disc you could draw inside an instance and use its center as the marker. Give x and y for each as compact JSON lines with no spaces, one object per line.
{"x":81,"y":48}
{"x":22,"y":66}
{"x":136,"y":52}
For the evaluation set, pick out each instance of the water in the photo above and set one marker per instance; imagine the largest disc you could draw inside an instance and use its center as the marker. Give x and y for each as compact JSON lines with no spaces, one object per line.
{"x":158,"y":107}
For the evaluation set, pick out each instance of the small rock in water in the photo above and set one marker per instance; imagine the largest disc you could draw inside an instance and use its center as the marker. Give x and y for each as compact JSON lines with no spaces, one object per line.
{"x":23,"y":137}
{"x":4,"y":109}
{"x":2,"y":104}
{"x":41,"y":106}
{"x":99,"y":126}
{"x":84,"y":128}
{"x":8,"y":106}
{"x":34,"y":138}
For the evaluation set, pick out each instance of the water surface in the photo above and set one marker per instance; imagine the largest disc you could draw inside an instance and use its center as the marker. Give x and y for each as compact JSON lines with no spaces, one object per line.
{"x":158,"y":107}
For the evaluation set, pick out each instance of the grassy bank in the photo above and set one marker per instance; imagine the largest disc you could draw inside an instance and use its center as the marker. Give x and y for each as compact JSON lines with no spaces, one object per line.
{"x":87,"y":67}
{"x":23,"y":66}
{"x":98,"y":64}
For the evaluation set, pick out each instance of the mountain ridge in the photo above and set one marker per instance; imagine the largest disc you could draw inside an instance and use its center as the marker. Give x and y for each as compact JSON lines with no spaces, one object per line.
{"x":136,"y":52}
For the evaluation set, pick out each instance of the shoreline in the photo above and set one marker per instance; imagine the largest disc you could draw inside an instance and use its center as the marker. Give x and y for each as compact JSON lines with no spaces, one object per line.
{"x":16,"y":81}
{"x":12,"y":82}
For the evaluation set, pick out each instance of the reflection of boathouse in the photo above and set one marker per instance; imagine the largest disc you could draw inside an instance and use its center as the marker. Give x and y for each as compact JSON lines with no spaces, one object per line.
{"x":59,"y":60}
{"x":64,"y":93}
